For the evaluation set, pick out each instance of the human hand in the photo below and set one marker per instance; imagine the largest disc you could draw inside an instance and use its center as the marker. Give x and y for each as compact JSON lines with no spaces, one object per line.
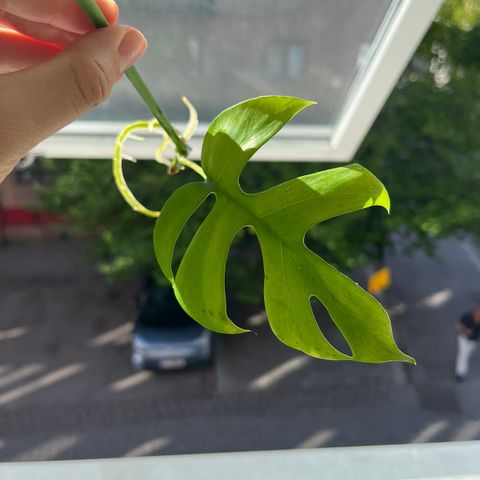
{"x":54,"y":68}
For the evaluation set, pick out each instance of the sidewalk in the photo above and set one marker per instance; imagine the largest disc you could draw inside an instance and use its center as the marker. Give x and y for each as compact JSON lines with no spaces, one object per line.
{"x":427,"y":298}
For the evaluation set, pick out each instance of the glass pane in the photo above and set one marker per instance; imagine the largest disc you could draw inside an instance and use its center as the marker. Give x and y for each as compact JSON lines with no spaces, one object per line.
{"x":219,"y":52}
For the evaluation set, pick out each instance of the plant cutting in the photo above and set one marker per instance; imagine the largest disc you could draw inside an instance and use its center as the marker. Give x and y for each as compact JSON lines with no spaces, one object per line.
{"x":280,"y":217}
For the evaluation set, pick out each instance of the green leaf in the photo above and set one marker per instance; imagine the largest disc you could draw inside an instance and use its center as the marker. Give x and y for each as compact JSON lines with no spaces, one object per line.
{"x":185,"y":201}
{"x":280,"y":216}
{"x":236,"y":134}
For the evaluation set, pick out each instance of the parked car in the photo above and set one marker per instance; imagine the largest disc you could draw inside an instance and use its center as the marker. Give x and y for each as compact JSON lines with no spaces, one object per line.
{"x":165,"y":337}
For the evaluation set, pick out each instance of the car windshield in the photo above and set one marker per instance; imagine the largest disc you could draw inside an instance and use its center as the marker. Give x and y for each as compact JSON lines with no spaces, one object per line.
{"x":160,"y":309}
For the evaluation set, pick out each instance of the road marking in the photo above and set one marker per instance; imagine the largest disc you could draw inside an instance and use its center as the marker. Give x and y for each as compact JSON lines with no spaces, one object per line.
{"x":469,"y":431}
{"x":273,"y":376}
{"x":13,"y":333}
{"x":430,"y":432}
{"x":42,"y":382}
{"x":257,"y":320}
{"x":130,"y":381}
{"x":472,"y":254}
{"x":398,"y":309}
{"x":20,"y":374}
{"x":318,"y":439}
{"x":150,"y":447}
{"x":437,"y":299}
{"x":119,"y":334}
{"x":49,"y":450}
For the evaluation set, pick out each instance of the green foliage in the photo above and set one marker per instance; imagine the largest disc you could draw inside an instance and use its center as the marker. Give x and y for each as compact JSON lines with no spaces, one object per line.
{"x":463,"y":14}
{"x":425,"y":145}
{"x":280,"y":217}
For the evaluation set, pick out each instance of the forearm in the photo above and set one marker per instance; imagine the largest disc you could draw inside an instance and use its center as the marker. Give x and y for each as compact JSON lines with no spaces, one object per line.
{"x":462,"y":330}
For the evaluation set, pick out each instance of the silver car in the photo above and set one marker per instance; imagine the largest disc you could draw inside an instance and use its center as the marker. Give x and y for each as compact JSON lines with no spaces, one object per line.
{"x":165,"y":337}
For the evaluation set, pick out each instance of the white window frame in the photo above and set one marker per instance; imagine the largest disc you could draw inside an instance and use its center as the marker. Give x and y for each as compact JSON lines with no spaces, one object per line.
{"x":393,"y":46}
{"x":434,"y":461}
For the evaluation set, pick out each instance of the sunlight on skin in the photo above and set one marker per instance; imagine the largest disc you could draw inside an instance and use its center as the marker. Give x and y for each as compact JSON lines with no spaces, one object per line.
{"x":437,"y":299}
{"x":430,"y":432}
{"x":118,"y":335}
{"x":272,"y":377}
{"x":42,"y":382}
{"x":469,"y":431}
{"x":130,"y":381}
{"x":318,"y":439}
{"x":49,"y":450}
{"x":20,"y":373}
{"x":13,"y":333}
{"x":150,"y":447}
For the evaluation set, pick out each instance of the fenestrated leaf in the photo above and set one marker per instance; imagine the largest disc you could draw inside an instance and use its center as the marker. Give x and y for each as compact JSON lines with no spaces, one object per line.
{"x":281,"y":216}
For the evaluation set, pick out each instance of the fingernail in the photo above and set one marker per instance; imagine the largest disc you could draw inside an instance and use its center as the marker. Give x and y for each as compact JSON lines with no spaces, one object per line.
{"x":132,"y":47}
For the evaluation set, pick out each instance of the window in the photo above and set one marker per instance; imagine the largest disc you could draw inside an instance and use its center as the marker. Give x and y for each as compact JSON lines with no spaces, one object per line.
{"x":346,"y":55}
{"x":286,"y":60}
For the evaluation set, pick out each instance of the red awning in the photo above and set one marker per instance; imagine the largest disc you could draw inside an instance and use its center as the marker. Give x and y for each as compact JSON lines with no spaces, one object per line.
{"x":23,"y":217}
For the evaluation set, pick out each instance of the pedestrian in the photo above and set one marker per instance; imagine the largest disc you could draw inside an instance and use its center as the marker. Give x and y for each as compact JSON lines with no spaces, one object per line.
{"x":468,"y":333}
{"x":54,"y":67}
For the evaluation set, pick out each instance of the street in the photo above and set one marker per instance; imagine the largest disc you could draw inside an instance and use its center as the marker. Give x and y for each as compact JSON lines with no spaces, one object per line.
{"x":67,"y":389}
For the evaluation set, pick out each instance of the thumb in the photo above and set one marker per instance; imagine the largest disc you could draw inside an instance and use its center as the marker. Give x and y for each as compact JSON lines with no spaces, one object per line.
{"x":37,"y":102}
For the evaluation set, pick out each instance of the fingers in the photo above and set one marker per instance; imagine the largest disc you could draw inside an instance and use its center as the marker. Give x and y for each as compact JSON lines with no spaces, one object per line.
{"x":63,"y":14}
{"x":40,"y":100}
{"x":40,"y":31}
{"x":19,"y":51}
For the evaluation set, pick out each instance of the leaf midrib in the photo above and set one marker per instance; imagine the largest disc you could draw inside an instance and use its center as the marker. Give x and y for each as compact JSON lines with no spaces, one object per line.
{"x":252,"y":214}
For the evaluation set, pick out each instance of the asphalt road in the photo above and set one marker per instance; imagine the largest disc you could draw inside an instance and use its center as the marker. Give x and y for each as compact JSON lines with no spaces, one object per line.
{"x":67,"y":390}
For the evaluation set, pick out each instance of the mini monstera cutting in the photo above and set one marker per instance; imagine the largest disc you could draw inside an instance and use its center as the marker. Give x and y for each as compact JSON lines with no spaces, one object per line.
{"x":280,"y":216}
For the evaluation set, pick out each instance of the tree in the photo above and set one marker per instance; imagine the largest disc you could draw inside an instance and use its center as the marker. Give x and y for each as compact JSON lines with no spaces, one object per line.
{"x":424,"y":146}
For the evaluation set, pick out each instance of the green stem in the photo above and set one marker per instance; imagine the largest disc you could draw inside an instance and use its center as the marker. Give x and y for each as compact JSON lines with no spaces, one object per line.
{"x":95,"y":15}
